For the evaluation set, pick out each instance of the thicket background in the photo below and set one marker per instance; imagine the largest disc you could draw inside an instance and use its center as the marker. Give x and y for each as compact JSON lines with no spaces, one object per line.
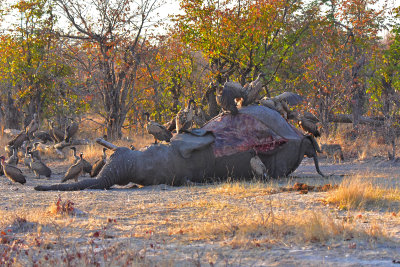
{"x":109,"y":61}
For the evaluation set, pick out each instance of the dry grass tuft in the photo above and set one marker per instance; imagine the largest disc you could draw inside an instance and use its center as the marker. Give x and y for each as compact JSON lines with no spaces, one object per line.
{"x":357,"y":193}
{"x":244,"y":189}
{"x":241,"y":227}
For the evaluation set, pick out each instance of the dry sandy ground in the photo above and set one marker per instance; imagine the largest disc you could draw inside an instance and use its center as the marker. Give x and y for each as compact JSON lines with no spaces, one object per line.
{"x":181,"y":226}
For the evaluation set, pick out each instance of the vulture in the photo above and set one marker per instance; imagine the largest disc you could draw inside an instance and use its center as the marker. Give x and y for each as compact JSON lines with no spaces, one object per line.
{"x":311,"y":117}
{"x":258,"y":167}
{"x":13,"y":160}
{"x":74,"y":171}
{"x":26,"y":120}
{"x":33,"y":126}
{"x":17,"y":141}
{"x":171,"y":125}
{"x":288,"y":97}
{"x":71,"y":130}
{"x":38,"y":167}
{"x":56,"y":133}
{"x":12,"y":172}
{"x":28,"y":157}
{"x":43,"y":136}
{"x":157,"y":130}
{"x":99,"y":164}
{"x":227,"y":95}
{"x":199,"y":117}
{"x":309,"y":126}
{"x":280,"y":103}
{"x":9,"y":150}
{"x":76,"y":158}
{"x":184,"y":118}
{"x":35,"y":153}
{"x":87,"y":167}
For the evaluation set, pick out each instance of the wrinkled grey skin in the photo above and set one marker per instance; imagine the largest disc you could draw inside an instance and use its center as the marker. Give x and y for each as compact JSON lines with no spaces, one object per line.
{"x":194,"y":161}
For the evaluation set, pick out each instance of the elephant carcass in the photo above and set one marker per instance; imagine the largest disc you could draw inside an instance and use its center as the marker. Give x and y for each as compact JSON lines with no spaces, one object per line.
{"x":222,"y":148}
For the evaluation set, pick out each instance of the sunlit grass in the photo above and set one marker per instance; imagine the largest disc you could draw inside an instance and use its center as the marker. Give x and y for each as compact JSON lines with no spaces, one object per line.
{"x":357,"y":193}
{"x":244,"y":189}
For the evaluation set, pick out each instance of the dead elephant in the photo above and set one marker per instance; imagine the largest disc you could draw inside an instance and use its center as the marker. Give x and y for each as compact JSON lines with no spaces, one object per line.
{"x":222,"y":148}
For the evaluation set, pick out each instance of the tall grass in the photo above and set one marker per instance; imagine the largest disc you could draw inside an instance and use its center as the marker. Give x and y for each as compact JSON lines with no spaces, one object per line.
{"x":357,"y":193}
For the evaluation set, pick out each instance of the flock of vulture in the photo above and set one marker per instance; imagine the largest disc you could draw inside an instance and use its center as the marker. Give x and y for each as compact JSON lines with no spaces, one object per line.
{"x":230,"y":97}
{"x":29,"y":139}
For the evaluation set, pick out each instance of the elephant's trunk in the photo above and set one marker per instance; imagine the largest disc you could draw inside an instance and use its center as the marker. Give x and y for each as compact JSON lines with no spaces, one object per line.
{"x":314,"y":154}
{"x":317,"y":166}
{"x":118,"y":170}
{"x":87,"y":183}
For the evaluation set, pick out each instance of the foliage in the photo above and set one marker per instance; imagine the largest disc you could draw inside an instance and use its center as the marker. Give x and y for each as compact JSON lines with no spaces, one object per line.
{"x":245,"y":38}
{"x":30,"y":63}
{"x":104,"y":59}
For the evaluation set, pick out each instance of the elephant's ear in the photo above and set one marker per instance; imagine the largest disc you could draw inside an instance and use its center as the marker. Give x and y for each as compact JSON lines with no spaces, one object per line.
{"x":187,"y":143}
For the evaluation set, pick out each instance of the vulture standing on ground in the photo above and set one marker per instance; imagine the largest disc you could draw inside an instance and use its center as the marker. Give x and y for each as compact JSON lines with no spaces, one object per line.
{"x":13,"y":160}
{"x":17,"y":141}
{"x":157,"y":130}
{"x":184,"y":118}
{"x":74,"y":171}
{"x":71,"y":130}
{"x":35,"y":153}
{"x":98,"y":165}
{"x":27,"y":119}
{"x":56,"y":133}
{"x":76,"y":158}
{"x":39,"y":168}
{"x":12,"y":172}
{"x":43,"y":136}
{"x":9,"y":150}
{"x":27,"y":157}
{"x":33,"y":126}
{"x":227,"y":95}
{"x":87,"y":167}
{"x":258,"y":167}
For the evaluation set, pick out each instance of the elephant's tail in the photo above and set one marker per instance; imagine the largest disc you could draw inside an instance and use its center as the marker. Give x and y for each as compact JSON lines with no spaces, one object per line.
{"x":118,"y":170}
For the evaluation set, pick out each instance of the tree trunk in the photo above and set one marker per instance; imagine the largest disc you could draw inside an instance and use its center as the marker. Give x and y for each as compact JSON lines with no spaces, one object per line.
{"x":12,"y":116}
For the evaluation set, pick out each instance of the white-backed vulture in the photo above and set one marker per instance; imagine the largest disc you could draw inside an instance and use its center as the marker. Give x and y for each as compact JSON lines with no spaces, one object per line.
{"x":12,"y":172}
{"x":74,"y":171}
{"x":33,"y":126}
{"x":71,"y":130}
{"x":98,"y":165}
{"x":158,"y":131}
{"x":39,"y":168}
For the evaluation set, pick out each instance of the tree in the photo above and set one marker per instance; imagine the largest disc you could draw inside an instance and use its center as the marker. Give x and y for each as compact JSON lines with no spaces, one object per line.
{"x":29,"y":63}
{"x":177,"y":74}
{"x":384,"y":87}
{"x":114,"y":30}
{"x":242,"y":39}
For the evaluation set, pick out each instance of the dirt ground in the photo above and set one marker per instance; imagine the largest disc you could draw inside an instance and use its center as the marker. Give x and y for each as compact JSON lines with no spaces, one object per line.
{"x":202,"y":225}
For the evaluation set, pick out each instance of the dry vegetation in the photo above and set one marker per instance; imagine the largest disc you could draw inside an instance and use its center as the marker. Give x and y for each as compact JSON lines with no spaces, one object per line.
{"x":231,"y":223}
